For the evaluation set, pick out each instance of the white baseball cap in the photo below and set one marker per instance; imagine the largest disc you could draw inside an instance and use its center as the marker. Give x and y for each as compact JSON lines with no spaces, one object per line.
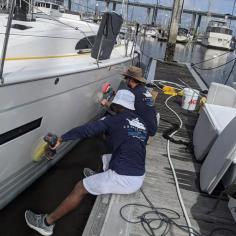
{"x":125,"y":98}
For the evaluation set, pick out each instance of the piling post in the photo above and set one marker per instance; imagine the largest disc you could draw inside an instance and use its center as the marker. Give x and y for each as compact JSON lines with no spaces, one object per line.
{"x":154,"y":16}
{"x":192,"y":27}
{"x":174,"y":25}
{"x":69,"y":5}
{"x":114,"y":6}
{"x":148,"y":15}
{"x":107,"y":5}
{"x":198,"y":25}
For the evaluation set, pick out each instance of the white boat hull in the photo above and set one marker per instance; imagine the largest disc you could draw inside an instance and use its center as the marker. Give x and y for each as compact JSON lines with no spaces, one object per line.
{"x":216,"y":40}
{"x":182,"y":39}
{"x":60,"y":103}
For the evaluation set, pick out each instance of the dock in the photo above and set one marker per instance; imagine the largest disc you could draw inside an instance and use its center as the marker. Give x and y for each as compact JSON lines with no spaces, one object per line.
{"x":159,"y":187}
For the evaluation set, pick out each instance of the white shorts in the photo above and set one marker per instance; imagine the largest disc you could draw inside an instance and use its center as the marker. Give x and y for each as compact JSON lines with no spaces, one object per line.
{"x":111,"y":182}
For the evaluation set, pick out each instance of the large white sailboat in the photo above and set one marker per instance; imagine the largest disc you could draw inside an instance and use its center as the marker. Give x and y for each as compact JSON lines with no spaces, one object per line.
{"x":218,"y":35}
{"x":48,"y":85}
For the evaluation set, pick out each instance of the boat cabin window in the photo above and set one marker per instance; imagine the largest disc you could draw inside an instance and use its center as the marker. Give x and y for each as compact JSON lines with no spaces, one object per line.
{"x":86,"y":43}
{"x":219,"y":30}
{"x":217,"y":23}
{"x":20,"y":27}
{"x":182,"y":31}
{"x":55,"y":7}
{"x":47,"y":5}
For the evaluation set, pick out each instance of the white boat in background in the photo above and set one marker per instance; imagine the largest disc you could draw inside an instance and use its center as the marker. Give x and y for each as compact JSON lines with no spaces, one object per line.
{"x":218,"y":35}
{"x":151,"y":32}
{"x":48,"y":86}
{"x":183,"y":36}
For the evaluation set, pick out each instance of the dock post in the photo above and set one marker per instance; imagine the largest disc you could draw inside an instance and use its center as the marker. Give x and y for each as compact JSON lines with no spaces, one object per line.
{"x":192,"y":27}
{"x":114,"y":6}
{"x":107,"y":5}
{"x":174,"y":25}
{"x":148,"y":15}
{"x":197,"y":26}
{"x":69,"y":5}
{"x":154,"y":16}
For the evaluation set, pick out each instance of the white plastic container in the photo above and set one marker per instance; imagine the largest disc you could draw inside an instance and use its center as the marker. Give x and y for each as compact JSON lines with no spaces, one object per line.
{"x":189,"y":99}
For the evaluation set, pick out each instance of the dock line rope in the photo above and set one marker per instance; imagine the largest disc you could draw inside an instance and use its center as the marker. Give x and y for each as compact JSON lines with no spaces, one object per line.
{"x":173,"y":169}
{"x":216,"y":67}
{"x":161,"y":217}
{"x":210,"y":59}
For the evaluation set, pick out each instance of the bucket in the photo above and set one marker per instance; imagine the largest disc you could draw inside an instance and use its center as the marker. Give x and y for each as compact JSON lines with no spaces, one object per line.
{"x":189,"y":99}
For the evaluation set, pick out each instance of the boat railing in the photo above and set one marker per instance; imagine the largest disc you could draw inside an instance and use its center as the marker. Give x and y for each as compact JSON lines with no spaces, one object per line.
{"x":50,"y":1}
{"x":4,"y":6}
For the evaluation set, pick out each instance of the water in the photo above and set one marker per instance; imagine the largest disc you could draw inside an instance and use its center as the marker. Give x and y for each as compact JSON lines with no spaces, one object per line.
{"x":194,"y":53}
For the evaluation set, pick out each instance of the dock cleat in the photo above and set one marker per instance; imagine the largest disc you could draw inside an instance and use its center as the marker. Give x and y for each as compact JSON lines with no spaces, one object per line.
{"x":36,"y":222}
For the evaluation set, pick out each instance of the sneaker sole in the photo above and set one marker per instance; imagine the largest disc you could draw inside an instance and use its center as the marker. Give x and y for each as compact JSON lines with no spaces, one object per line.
{"x":41,"y":231}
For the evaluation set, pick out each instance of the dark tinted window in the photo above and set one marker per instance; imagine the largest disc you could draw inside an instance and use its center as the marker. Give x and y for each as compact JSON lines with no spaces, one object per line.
{"x":220,"y":30}
{"x":86,"y":43}
{"x":55,"y":7}
{"x":47,"y":5}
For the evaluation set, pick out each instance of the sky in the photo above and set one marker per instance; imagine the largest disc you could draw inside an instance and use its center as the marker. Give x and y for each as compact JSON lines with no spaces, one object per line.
{"x":221,"y":6}
{"x":140,"y":14}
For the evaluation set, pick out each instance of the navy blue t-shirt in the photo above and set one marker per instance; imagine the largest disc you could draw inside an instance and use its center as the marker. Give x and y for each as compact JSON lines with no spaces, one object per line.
{"x":144,"y":107}
{"x":128,"y":136}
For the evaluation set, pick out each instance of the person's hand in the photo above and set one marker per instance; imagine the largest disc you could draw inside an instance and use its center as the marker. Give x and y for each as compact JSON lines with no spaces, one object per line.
{"x":58,"y":143}
{"x":52,"y":140}
{"x":104,"y":102}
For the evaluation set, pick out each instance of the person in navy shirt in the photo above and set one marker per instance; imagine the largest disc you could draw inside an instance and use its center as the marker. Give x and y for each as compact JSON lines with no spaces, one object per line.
{"x":144,"y":103}
{"x":124,"y":169}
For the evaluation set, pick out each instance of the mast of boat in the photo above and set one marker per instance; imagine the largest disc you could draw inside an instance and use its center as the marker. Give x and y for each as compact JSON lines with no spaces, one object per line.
{"x":208,"y":18}
{"x":6,"y":39}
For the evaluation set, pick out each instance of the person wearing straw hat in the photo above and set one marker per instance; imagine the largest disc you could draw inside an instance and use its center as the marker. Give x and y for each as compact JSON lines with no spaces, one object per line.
{"x":124,"y":169}
{"x":144,"y":103}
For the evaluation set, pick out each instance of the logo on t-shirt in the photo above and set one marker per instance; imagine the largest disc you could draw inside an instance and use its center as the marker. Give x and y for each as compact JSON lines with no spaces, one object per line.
{"x":136,"y":129}
{"x":136,"y":123}
{"x":148,"y":98}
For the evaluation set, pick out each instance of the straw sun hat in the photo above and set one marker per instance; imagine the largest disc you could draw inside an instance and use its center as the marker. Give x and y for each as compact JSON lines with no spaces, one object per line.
{"x":136,"y":73}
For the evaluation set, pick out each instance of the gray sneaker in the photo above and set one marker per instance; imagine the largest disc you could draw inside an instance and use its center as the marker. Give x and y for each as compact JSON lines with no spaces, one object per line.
{"x":36,"y":222}
{"x":88,"y":172}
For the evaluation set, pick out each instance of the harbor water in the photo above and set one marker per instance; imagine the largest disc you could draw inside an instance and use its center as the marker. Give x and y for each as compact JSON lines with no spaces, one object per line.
{"x":216,"y":65}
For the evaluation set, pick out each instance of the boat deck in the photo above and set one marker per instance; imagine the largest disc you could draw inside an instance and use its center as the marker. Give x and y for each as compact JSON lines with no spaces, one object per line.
{"x":159,"y":184}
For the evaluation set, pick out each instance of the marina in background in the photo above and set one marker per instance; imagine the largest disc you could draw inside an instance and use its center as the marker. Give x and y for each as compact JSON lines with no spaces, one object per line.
{"x":51,"y":90}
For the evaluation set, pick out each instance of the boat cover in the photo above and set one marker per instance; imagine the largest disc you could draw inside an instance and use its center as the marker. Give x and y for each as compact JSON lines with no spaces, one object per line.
{"x":219,"y":159}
